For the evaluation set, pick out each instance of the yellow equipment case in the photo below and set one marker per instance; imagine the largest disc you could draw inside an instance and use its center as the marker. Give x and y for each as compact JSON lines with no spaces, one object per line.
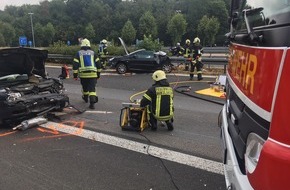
{"x":133,"y":117}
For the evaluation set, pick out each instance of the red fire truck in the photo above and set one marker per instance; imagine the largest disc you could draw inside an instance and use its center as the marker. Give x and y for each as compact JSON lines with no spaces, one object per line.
{"x":255,"y":128}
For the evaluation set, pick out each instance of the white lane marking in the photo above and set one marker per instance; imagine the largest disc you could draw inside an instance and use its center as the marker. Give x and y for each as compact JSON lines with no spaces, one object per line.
{"x":200,"y":163}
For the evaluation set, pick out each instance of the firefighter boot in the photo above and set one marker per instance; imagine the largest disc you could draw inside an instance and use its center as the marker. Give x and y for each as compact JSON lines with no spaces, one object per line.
{"x":186,"y":67}
{"x":93,"y":100}
{"x":92,"y":106}
{"x":199,"y":77}
{"x":169,"y":126}
{"x":191,"y":77}
{"x":85,"y":98}
{"x":153,"y":122}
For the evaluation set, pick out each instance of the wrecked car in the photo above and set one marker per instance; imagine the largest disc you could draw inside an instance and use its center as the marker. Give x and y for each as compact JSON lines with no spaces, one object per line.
{"x":141,"y":60}
{"x":25,"y":89}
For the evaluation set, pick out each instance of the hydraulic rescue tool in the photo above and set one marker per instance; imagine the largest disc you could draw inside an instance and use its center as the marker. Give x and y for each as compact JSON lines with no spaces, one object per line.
{"x":133,"y":117}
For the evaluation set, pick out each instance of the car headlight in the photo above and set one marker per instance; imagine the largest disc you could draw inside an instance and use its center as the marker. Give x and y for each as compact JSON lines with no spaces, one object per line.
{"x":253,"y":150}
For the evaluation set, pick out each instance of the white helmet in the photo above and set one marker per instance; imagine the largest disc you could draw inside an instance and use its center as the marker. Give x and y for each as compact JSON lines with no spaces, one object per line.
{"x":196,"y":40}
{"x":85,"y":43}
{"x":187,"y":41}
{"x":178,"y":44}
{"x":159,"y":75}
{"x":104,"y":41}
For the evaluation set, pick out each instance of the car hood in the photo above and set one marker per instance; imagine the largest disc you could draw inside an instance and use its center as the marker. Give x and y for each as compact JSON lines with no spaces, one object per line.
{"x":159,"y":53}
{"x":124,"y":46}
{"x":22,"y":61}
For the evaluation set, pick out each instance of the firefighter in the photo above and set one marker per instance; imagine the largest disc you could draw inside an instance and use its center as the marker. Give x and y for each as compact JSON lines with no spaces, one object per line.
{"x":197,"y":50}
{"x":87,"y":67}
{"x":103,"y":53}
{"x":179,"y":49}
{"x":187,"y":51}
{"x":158,"y":100}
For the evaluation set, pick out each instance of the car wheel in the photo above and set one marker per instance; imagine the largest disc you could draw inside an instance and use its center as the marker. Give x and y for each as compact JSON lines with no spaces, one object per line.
{"x":121,"y":68}
{"x":167,"y":68}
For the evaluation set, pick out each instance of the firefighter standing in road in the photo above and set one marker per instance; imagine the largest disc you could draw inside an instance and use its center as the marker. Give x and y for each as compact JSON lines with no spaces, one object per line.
{"x":187,"y":51}
{"x":196,"y":59}
{"x":103,"y":53}
{"x":87,"y":67}
{"x":159,"y":101}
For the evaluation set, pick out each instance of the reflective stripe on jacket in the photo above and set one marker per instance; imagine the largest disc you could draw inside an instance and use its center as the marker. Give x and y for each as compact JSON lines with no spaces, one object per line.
{"x":86,"y":64}
{"x":160,"y":101}
{"x":187,"y":51}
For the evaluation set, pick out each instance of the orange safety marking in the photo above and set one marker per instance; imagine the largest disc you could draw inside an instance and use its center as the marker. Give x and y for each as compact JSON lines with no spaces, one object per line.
{"x":79,"y":126}
{"x":7,"y":133}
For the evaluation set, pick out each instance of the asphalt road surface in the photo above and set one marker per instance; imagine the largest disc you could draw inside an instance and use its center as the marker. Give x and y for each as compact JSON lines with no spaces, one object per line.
{"x":89,"y":150}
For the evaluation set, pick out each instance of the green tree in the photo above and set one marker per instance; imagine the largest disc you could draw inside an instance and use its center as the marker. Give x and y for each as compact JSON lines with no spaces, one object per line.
{"x":8,"y":32}
{"x":70,"y":18}
{"x":218,"y":9}
{"x":128,"y":32}
{"x":149,"y":44}
{"x":162,"y":11}
{"x":90,"y":31}
{"x":207,"y":29}
{"x":48,"y":32}
{"x":38,"y":35}
{"x":147,"y":25}
{"x":176,"y":27}
{"x":2,"y":40}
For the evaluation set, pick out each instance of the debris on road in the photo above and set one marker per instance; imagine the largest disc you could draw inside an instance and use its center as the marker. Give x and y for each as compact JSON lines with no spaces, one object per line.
{"x":30,"y":123}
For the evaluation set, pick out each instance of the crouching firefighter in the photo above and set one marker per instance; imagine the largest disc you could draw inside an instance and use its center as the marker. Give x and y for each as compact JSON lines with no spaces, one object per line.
{"x":87,"y":67}
{"x":159,"y":101}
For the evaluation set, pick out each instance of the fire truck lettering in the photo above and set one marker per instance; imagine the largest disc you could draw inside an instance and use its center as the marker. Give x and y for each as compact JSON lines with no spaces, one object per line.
{"x":243,"y":67}
{"x":252,"y":68}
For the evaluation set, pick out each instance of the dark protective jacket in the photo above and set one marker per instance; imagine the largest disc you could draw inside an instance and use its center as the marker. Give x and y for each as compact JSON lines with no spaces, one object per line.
{"x":86,"y":64}
{"x":187,"y":50}
{"x":197,"y":51}
{"x":159,"y":99}
{"x":103,"y":51}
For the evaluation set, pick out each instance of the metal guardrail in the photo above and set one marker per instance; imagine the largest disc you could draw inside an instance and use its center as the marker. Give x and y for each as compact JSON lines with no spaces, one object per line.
{"x":60,"y":56}
{"x":211,"y":56}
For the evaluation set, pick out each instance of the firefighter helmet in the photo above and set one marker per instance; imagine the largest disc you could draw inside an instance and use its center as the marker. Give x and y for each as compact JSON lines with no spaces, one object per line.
{"x":187,"y":41}
{"x":196,"y":40}
{"x":159,"y":75}
{"x":104,"y":41}
{"x":85,"y":43}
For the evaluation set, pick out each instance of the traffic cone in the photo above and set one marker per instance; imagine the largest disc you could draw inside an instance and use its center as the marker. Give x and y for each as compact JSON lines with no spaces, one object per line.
{"x":66,"y":71}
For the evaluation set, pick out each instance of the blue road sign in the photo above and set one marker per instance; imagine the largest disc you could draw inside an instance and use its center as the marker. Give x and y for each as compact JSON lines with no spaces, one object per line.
{"x":22,"y":41}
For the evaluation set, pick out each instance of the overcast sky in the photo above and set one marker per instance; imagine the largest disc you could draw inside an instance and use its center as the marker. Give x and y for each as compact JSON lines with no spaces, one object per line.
{"x":3,"y":3}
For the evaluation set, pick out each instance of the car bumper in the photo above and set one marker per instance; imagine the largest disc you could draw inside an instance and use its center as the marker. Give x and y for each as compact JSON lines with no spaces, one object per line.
{"x":32,"y":106}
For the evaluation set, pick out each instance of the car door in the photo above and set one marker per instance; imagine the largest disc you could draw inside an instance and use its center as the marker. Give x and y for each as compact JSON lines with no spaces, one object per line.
{"x":142,"y":60}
